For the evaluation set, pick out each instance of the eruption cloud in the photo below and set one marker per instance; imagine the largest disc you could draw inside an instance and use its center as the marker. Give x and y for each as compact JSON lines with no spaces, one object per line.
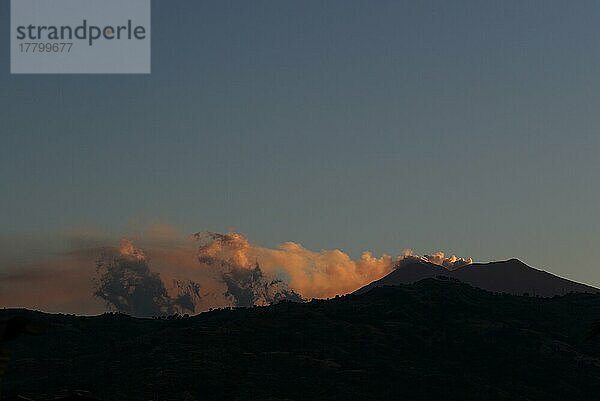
{"x":438,"y":258}
{"x":168,"y":273}
{"x":127,"y":285}
{"x":312,"y":274}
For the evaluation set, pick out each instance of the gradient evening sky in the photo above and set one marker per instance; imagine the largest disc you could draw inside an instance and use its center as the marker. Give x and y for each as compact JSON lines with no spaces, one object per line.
{"x":471,"y":127}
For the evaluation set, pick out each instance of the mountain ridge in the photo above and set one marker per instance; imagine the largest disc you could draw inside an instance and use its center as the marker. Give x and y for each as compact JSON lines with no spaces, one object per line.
{"x":429,"y":341}
{"x":512,"y":276}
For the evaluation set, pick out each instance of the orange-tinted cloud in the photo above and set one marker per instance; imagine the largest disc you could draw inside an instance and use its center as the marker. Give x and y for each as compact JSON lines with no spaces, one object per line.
{"x":205,"y":270}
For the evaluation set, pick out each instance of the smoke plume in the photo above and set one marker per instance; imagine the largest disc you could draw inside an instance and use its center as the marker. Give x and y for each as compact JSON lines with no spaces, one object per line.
{"x":127,"y":285}
{"x":438,"y":258}
{"x":164,"y":273}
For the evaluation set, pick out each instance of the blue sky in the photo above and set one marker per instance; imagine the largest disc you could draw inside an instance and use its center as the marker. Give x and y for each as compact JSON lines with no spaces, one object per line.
{"x":469,"y":127}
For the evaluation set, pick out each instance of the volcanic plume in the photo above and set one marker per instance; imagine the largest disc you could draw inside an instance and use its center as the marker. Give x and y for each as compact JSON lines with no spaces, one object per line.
{"x":164,"y":273}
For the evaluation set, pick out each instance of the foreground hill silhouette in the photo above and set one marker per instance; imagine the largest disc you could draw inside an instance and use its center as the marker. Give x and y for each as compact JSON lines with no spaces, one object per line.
{"x":511,"y":276}
{"x":437,"y":339}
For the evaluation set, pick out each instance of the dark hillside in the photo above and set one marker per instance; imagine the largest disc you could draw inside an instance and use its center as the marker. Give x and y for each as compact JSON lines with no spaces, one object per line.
{"x":434,"y":340}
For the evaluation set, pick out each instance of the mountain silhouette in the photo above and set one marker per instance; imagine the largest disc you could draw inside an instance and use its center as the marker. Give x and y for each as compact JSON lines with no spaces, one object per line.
{"x":510,"y":276}
{"x":434,"y":340}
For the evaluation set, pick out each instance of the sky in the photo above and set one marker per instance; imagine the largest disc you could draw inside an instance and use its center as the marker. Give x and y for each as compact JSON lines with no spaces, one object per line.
{"x":469,"y":127}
